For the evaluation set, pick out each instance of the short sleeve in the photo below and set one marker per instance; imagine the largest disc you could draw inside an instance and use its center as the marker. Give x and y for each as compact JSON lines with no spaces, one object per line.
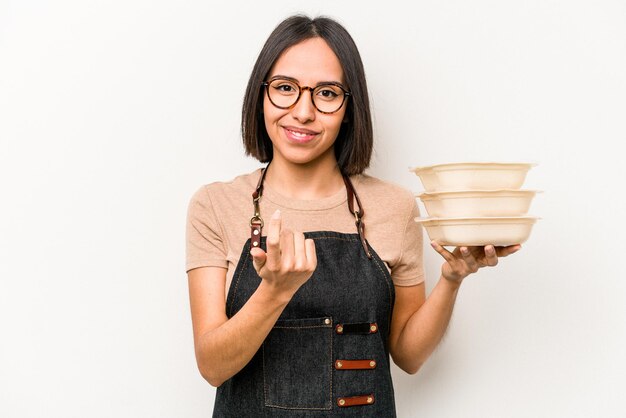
{"x":205,"y":246}
{"x":409,"y":271}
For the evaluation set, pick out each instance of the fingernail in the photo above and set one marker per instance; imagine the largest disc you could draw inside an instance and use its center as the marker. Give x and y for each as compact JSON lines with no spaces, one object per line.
{"x":433,"y":244}
{"x":276,"y":214}
{"x":464,"y":250}
{"x":489,"y":249}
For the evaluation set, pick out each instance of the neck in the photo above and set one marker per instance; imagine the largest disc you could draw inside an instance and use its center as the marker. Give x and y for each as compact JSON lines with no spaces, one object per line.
{"x":304,"y":181}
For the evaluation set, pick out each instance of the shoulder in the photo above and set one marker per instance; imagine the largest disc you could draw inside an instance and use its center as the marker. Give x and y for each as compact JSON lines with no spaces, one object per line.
{"x":389,"y":215}
{"x":238,"y":188}
{"x":223,"y":201}
{"x":382,"y":192}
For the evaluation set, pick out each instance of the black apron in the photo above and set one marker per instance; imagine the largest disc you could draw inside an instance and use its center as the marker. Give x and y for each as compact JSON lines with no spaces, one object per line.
{"x":328,"y":354}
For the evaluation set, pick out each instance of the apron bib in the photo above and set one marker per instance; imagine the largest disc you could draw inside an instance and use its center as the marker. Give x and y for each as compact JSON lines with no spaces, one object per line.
{"x":327,"y":355}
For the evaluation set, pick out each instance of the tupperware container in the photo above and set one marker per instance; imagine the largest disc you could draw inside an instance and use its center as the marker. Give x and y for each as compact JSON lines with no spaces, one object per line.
{"x":477,"y":203}
{"x":478,"y":231}
{"x":472,"y":176}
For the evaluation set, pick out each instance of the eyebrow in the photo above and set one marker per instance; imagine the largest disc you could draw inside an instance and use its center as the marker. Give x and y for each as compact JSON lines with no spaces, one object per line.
{"x":320,"y":83}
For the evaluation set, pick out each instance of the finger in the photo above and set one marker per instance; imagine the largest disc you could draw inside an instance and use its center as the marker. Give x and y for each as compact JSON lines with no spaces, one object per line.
{"x":444,"y":253}
{"x":258,"y":258}
{"x":286,"y":249}
{"x":299,"y":251}
{"x":273,"y":241}
{"x":469,"y":259}
{"x":491,"y":258}
{"x":311,"y":255}
{"x":504,"y":251}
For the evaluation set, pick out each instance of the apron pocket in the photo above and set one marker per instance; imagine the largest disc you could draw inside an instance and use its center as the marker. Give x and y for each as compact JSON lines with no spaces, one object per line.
{"x":297,"y":364}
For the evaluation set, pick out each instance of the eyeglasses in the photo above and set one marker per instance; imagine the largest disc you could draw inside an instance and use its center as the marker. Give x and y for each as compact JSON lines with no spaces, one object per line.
{"x":284,"y":93}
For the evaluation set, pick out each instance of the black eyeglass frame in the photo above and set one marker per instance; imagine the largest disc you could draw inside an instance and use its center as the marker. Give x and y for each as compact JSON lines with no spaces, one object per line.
{"x":267,"y":83}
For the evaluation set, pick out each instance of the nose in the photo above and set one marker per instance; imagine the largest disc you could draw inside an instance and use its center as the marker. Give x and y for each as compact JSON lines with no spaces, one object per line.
{"x":304,"y":111}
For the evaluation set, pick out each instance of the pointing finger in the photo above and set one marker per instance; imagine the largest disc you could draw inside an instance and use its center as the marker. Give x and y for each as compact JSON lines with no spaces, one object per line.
{"x":273,"y":241}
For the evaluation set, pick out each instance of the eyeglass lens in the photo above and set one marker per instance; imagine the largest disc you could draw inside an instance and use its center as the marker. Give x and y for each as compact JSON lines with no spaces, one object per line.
{"x":327,"y":98}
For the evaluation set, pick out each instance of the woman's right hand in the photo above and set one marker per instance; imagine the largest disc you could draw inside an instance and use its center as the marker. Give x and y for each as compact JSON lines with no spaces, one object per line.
{"x":225,"y":345}
{"x":290,"y":259}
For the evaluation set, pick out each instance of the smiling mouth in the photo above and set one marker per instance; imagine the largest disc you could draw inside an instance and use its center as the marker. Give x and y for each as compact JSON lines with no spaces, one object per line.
{"x":299,"y":135}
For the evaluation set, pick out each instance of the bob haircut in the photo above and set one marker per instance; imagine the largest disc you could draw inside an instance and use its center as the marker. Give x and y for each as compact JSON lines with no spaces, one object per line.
{"x":354,"y":143}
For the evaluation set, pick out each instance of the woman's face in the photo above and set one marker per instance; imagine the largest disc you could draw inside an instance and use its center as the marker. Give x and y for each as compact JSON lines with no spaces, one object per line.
{"x":302,"y":134}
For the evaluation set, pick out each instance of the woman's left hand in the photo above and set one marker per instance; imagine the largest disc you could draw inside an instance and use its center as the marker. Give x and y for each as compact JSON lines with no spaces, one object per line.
{"x":463,"y":261}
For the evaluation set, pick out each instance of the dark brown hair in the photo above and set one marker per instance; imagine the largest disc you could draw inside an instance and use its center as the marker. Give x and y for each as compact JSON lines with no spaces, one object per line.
{"x":353,"y":147}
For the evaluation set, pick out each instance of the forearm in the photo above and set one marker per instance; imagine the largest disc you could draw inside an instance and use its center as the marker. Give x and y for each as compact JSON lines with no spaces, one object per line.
{"x":426,"y":327}
{"x":225,"y":350}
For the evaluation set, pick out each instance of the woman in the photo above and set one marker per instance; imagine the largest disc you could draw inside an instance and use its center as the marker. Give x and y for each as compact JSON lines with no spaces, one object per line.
{"x":296,"y":304}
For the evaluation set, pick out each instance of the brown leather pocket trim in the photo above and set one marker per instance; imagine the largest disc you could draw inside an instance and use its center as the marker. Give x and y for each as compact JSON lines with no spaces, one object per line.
{"x":356,"y":400}
{"x":366,"y":364}
{"x":360,"y":328}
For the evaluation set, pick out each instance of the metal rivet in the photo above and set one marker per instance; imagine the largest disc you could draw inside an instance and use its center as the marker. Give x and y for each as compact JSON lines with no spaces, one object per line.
{"x":339,"y":329}
{"x":256,"y":232}
{"x":339,"y":365}
{"x":370,"y":399}
{"x":342,"y":402}
{"x":255,"y":244}
{"x":372,"y":363}
{"x":327,"y":321}
{"x":373,"y":327}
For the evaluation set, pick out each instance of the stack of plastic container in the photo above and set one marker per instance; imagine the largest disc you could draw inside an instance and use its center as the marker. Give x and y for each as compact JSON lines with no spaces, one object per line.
{"x":476,"y":204}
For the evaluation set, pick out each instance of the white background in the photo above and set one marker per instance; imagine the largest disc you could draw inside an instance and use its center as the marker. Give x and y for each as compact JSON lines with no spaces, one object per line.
{"x":112,"y":113}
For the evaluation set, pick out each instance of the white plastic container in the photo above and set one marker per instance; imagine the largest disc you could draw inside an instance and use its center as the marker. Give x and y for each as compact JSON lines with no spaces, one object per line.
{"x":498,"y":231}
{"x":471,"y":203}
{"x":472,"y":176}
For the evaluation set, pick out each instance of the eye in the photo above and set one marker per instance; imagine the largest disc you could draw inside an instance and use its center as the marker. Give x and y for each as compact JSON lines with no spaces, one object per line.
{"x":329,"y":92}
{"x":284,"y":87}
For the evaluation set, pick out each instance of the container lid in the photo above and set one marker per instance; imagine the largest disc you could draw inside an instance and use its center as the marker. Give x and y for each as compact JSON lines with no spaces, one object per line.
{"x":473,"y":165}
{"x":478,"y":220}
{"x":476,"y":193}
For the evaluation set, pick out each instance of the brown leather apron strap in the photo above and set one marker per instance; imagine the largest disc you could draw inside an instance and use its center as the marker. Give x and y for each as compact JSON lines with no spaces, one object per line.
{"x":358,"y":214}
{"x":256,"y":222}
{"x":259,"y":186}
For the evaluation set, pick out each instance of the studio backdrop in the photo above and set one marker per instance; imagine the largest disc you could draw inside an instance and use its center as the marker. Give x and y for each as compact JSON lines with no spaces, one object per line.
{"x":113,"y":113}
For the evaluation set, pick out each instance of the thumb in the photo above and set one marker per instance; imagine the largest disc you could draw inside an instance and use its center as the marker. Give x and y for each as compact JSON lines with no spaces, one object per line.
{"x":258,"y":258}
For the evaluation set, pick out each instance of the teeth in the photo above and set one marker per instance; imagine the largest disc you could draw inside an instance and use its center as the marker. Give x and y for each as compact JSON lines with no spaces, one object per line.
{"x":298,"y":133}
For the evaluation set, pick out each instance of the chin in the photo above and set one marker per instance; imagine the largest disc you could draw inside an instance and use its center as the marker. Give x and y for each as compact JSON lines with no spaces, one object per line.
{"x":301,"y":160}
